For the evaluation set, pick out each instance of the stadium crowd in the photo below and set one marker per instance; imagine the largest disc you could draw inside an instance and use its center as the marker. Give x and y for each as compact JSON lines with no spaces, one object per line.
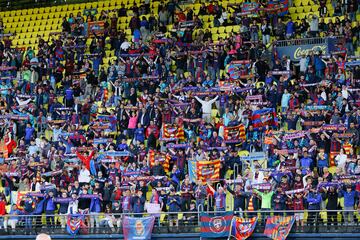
{"x":80,"y":137}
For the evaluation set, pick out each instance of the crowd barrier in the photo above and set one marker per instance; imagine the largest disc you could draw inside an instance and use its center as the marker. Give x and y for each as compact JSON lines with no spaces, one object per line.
{"x":315,"y":221}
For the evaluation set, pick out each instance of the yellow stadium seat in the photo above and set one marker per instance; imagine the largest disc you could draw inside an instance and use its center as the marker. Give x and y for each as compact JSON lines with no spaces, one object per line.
{"x":299,"y":9}
{"x":292,"y":10}
{"x":315,"y":8}
{"x":301,"y":16}
{"x":236,"y":28}
{"x":297,"y":3}
{"x":307,"y":9}
{"x":128,"y":31}
{"x":206,"y":25}
{"x":57,"y":21}
{"x":221,"y":30}
{"x":30,"y":11}
{"x":305,"y":2}
{"x":224,"y":35}
{"x":229,"y":29}
{"x":214,"y":30}
{"x":215,"y":37}
{"x":47,"y":9}
{"x":31,"y":41}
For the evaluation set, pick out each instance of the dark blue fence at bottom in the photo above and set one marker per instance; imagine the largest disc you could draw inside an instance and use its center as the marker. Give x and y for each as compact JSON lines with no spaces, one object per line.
{"x":190,"y":236}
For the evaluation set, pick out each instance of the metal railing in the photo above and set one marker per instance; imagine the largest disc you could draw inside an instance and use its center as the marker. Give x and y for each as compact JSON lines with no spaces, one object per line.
{"x":304,"y":41}
{"x":314,"y":221}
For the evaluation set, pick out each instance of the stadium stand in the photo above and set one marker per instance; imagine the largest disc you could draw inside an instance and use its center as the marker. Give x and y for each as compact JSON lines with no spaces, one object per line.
{"x":190,"y":109}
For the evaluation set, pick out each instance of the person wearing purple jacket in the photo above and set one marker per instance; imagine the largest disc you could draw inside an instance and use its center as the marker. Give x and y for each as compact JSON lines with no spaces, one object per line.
{"x":126,"y":202}
{"x":313,"y":198}
{"x":173,"y":202}
{"x":50,"y":208}
{"x":138,"y":203}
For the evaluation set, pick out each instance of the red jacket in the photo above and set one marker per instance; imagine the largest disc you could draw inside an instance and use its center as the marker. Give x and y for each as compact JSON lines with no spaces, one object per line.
{"x":2,"y":208}
{"x":154,"y":128}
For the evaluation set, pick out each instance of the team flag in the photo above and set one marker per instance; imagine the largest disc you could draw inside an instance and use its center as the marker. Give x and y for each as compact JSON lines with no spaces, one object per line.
{"x":281,"y":8}
{"x":208,"y":170}
{"x":192,"y":170}
{"x":242,"y":228}
{"x":173,"y":131}
{"x":215,"y":226}
{"x":278,"y":227}
{"x":262,"y":117}
{"x":235,"y":133}
{"x":74,"y":223}
{"x":164,"y":159}
{"x":138,"y":228}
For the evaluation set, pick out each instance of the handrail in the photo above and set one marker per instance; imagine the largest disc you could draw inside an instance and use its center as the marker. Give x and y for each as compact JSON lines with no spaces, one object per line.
{"x":200,"y":206}
{"x":304,"y":41}
{"x":187,"y":212}
{"x":209,"y":201}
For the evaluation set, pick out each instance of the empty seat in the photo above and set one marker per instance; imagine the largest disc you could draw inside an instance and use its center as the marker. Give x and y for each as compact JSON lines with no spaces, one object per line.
{"x":297,"y":3}
{"x":315,"y":8}
{"x":221,"y":30}
{"x":299,"y":9}
{"x":215,"y":37}
{"x":236,"y":28}
{"x":229,"y":29}
{"x":292,"y":10}
{"x":307,"y":9}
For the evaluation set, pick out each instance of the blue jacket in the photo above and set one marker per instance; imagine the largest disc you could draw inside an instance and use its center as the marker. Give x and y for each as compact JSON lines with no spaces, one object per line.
{"x":175,"y":205}
{"x":95,"y":206}
{"x":314,"y":200}
{"x":306,"y":163}
{"x":349,"y":198}
{"x":39,"y":207}
{"x":28,"y":206}
{"x":139,"y":134}
{"x":138,"y":204}
{"x":49,"y":204}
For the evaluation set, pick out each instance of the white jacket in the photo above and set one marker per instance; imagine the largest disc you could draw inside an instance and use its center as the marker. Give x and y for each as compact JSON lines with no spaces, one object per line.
{"x":206,"y":105}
